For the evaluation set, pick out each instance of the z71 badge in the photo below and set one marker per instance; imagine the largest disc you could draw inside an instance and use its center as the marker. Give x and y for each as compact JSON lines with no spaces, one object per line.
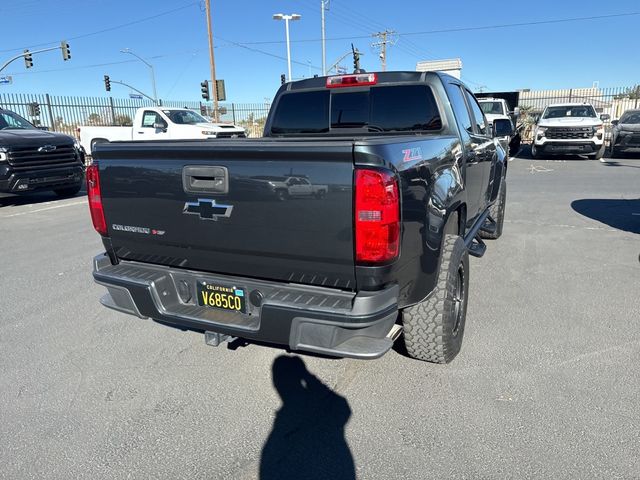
{"x":412,"y":154}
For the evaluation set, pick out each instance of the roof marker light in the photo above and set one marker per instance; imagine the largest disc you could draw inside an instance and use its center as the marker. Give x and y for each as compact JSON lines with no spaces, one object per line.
{"x":355,"y":80}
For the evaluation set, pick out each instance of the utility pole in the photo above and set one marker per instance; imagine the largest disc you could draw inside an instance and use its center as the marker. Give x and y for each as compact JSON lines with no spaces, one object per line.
{"x":324,"y":5}
{"x":385,"y":37}
{"x":212,"y":62}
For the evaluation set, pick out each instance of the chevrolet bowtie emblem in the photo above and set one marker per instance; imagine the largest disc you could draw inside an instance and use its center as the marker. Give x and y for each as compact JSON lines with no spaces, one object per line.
{"x":207,"y":209}
{"x":47,"y":148}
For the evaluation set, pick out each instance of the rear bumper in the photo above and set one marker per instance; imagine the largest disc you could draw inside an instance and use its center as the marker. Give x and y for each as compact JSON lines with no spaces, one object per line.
{"x":300,"y":317}
{"x":30,"y":180}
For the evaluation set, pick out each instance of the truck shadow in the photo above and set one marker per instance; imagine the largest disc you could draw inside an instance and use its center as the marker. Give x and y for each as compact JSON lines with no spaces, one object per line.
{"x":35,"y":198}
{"x":617,"y":213}
{"x":307,"y":439}
{"x":616,"y":163}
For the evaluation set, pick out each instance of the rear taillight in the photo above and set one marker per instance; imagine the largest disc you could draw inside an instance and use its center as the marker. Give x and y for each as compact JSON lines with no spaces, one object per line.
{"x":377,"y":216}
{"x":95,"y":199}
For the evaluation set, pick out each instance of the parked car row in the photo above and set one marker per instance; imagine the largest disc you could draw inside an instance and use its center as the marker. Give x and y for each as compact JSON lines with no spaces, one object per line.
{"x":576,"y":128}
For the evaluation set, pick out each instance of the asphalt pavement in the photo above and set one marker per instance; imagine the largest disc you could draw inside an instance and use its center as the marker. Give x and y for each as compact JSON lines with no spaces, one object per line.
{"x":547,"y":384}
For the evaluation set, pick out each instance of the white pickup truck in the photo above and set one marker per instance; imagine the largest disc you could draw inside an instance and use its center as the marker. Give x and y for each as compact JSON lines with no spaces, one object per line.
{"x":499,"y":108}
{"x":158,"y":123}
{"x":569,"y":128}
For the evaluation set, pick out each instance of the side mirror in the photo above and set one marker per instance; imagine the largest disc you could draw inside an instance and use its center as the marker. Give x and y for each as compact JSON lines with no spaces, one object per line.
{"x":160,"y":126}
{"x":615,"y":122}
{"x":42,"y":127}
{"x":502,"y":128}
{"x":516,"y":111}
{"x":605,"y":117}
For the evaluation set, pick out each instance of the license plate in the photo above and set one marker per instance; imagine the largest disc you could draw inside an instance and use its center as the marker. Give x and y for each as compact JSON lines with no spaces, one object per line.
{"x":224,"y":297}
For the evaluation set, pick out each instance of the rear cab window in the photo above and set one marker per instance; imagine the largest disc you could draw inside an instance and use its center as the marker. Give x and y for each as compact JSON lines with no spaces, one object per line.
{"x":377,"y":109}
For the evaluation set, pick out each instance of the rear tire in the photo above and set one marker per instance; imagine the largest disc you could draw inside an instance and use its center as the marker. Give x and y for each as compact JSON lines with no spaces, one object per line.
{"x":496,"y":211}
{"x":67,"y":191}
{"x":433,"y":328}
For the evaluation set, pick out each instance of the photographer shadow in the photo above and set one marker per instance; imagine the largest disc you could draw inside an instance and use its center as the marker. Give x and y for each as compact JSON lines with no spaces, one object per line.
{"x":307,"y":439}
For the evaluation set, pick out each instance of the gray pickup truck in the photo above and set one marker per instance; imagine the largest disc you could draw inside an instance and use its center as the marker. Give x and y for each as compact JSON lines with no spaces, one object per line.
{"x":412,"y":180}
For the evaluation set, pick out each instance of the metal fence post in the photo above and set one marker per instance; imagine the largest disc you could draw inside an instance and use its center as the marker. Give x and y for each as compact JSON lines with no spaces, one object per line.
{"x":49,"y":110}
{"x":233,"y":112}
{"x":113,"y":111}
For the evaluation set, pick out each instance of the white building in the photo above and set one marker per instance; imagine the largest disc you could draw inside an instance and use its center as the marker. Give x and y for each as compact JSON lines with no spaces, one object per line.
{"x":451,"y":66}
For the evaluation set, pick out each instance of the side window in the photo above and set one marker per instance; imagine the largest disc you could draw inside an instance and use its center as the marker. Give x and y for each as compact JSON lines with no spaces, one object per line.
{"x":148,"y":118}
{"x":480,"y":122}
{"x":10,"y":121}
{"x":460,"y":108}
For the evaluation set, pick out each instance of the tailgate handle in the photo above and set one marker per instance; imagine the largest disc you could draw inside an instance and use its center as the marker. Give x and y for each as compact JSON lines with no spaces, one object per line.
{"x":197,"y":179}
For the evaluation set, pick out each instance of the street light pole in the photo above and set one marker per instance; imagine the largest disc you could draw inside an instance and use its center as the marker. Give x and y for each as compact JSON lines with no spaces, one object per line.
{"x":286,"y":18}
{"x":153,"y":72}
{"x":286,"y":23}
{"x":323,"y":6}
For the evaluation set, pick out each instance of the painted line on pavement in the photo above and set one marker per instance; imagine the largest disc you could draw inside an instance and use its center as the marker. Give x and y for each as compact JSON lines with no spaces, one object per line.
{"x":82,"y":202}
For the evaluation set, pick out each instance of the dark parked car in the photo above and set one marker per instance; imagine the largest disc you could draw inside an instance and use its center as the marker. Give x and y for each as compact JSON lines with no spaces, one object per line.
{"x":35,"y":159}
{"x":412,"y":178}
{"x":625,"y":133}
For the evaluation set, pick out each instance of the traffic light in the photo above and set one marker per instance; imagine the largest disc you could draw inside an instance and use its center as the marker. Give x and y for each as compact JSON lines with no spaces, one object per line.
{"x":28,"y":59}
{"x":204,"y":88}
{"x":34,"y":109}
{"x":107,"y":83}
{"x":221,"y":93}
{"x":283,"y":79}
{"x":66,"y":52}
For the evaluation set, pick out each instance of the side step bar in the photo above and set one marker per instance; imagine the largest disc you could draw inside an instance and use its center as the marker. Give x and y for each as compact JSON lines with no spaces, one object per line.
{"x":472,"y":239}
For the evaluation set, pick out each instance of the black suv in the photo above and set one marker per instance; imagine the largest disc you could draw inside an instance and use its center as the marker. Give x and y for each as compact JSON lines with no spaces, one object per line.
{"x":34,"y":159}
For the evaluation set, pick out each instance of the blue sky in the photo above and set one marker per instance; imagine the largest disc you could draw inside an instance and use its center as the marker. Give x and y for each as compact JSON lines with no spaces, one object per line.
{"x":559,"y":55}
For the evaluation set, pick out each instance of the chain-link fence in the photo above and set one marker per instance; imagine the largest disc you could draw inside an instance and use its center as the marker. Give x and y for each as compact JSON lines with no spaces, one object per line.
{"x":66,"y":114}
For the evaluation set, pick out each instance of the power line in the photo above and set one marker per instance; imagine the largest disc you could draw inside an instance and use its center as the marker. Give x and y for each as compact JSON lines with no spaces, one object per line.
{"x":253,"y":49}
{"x":108,"y":29}
{"x":457,"y":29}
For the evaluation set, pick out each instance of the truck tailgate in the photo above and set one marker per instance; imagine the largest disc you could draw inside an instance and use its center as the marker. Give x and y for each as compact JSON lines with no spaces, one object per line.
{"x":285,"y":214}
